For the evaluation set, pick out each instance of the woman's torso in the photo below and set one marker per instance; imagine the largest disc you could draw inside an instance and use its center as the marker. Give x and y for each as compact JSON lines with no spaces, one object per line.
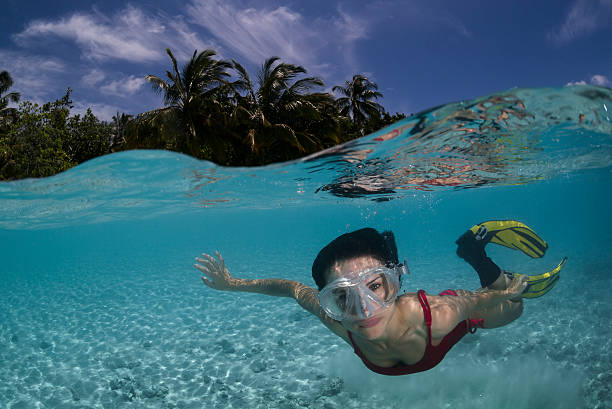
{"x":409,"y":332}
{"x":409,"y":336}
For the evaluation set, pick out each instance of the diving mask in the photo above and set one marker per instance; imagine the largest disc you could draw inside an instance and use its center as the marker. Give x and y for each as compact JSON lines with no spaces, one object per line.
{"x":362,"y":294}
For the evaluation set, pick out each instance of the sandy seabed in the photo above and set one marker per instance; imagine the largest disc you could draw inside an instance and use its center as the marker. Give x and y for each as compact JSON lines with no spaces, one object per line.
{"x":152,"y":339}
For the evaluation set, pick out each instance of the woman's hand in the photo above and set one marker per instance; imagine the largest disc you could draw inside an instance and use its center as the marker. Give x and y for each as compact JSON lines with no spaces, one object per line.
{"x":516,"y":287}
{"x":216,"y":275}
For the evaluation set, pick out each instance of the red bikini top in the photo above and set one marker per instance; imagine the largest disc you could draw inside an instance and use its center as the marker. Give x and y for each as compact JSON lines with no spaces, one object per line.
{"x":433,"y":354}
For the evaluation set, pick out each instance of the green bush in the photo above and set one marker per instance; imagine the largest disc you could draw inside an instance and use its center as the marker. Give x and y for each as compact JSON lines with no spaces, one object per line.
{"x":44,"y":140}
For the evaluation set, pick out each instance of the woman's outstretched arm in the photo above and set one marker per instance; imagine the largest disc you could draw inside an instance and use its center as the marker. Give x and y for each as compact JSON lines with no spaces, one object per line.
{"x":218,"y":277}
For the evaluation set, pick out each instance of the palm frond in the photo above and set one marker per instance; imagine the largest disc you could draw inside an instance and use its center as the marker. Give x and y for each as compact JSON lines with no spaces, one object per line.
{"x":305,"y":84}
{"x":5,"y":81}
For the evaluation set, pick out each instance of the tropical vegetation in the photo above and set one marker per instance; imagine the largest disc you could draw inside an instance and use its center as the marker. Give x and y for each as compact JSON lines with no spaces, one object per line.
{"x":358,"y":98}
{"x":7,"y":113}
{"x":213,"y":109}
{"x":42,"y":140}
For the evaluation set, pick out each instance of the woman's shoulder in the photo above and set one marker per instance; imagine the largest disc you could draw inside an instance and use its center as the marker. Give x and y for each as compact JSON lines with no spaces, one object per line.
{"x":407,"y":299}
{"x":410,"y":307}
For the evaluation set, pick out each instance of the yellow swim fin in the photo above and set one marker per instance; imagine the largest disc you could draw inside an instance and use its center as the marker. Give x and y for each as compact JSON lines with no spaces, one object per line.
{"x":539,"y":285}
{"x":511,"y":234}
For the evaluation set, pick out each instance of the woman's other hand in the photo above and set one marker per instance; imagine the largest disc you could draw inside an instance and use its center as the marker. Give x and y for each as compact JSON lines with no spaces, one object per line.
{"x":516,"y":286}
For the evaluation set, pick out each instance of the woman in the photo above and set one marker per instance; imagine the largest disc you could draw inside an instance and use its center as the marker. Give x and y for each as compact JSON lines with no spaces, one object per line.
{"x":358,"y":277}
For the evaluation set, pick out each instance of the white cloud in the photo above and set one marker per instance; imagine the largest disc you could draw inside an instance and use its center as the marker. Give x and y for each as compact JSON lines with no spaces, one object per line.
{"x":130,"y":35}
{"x":100,"y":40}
{"x":601,"y":80}
{"x":188,"y":40}
{"x":585,"y":17}
{"x":256,"y":34}
{"x":259,"y":33}
{"x":93,"y":77}
{"x":123,"y":87}
{"x":596,"y":79}
{"x":33,"y":76}
{"x":569,"y":84}
{"x":350,"y":26}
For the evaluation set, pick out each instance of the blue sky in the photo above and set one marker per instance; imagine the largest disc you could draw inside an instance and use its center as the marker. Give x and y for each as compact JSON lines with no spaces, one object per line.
{"x":420,"y":53}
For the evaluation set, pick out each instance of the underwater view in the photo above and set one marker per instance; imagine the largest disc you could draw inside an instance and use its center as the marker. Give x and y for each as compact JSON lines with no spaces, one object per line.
{"x":101,"y":306}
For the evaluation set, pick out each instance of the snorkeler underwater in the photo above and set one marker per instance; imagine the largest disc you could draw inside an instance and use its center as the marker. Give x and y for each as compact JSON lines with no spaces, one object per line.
{"x":358,"y":277}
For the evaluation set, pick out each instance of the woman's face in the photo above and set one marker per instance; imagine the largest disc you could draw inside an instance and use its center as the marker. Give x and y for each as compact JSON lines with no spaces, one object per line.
{"x":374,"y":326}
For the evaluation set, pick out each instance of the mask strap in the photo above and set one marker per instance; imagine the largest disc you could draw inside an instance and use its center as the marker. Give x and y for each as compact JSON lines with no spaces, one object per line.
{"x":403,"y":269}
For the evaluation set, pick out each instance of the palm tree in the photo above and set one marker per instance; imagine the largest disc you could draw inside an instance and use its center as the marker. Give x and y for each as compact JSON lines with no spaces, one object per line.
{"x":119,"y":125}
{"x":198,"y":83}
{"x":6,"y":82}
{"x":282,"y":110}
{"x":357,"y":101}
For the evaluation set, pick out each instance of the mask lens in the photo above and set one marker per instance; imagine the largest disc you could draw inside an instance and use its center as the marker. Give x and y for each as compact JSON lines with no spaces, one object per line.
{"x":335,"y":301}
{"x":340,"y":298}
{"x":382,"y":285}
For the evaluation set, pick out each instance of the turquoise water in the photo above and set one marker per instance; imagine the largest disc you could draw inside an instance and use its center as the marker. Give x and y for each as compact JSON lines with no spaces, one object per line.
{"x":100,"y":306}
